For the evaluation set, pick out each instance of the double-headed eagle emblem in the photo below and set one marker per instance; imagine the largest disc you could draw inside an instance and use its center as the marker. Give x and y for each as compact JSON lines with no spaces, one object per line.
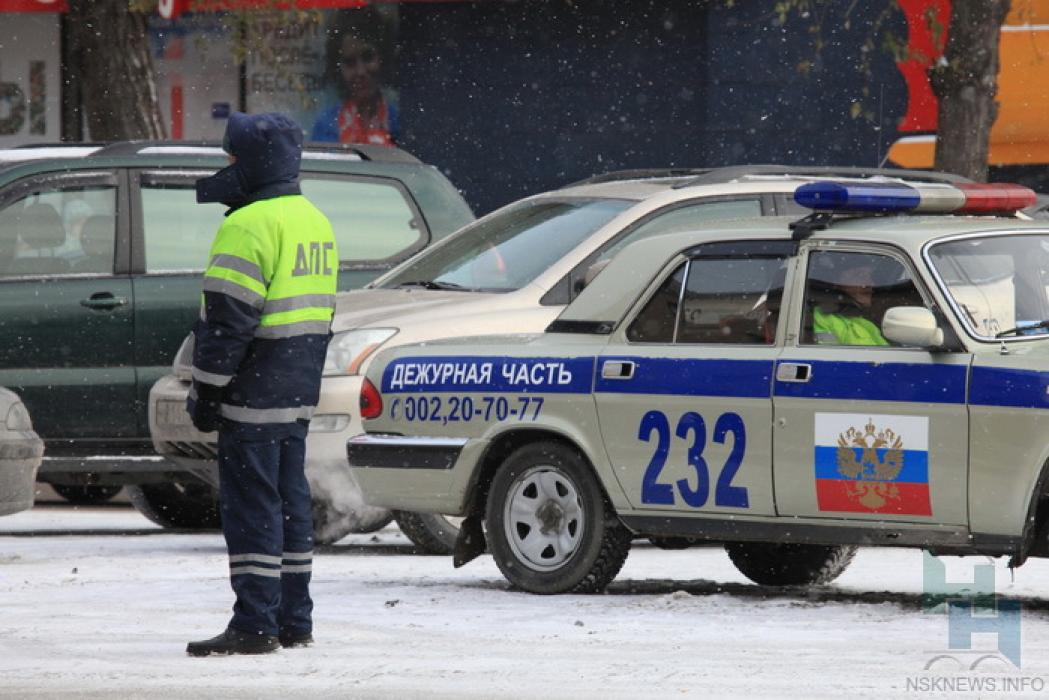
{"x":872,"y":475}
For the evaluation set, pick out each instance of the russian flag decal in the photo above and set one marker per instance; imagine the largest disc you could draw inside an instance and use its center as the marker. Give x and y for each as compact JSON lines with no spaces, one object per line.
{"x":872,"y":464}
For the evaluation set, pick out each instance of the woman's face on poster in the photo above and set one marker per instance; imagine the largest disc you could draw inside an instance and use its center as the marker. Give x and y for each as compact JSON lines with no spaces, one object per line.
{"x":361,"y":66}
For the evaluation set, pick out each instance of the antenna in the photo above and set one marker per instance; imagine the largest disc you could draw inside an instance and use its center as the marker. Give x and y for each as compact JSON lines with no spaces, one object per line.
{"x":881,"y":125}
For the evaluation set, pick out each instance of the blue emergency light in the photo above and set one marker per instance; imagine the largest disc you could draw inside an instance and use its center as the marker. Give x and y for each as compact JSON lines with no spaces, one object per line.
{"x":916,"y":198}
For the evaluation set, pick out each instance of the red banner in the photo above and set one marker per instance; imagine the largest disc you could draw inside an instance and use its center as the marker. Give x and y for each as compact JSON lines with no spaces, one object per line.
{"x":33,"y":6}
{"x":927,"y":22}
{"x":169,"y":9}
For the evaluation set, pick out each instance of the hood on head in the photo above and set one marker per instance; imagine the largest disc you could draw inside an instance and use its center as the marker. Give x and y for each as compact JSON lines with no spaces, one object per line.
{"x":268,"y":149}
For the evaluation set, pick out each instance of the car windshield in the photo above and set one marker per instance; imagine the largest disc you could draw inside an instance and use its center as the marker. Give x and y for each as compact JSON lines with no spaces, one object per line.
{"x":998,"y":283}
{"x":509,"y":249}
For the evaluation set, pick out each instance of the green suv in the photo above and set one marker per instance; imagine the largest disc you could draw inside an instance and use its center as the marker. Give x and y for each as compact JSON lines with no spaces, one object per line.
{"x":102,"y":249}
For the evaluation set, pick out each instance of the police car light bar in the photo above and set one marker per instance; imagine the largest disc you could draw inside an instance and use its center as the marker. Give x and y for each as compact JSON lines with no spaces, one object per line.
{"x":916,"y":198}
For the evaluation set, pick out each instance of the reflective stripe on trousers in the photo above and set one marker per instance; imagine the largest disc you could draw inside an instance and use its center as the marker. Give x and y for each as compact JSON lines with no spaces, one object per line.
{"x":267,"y":521}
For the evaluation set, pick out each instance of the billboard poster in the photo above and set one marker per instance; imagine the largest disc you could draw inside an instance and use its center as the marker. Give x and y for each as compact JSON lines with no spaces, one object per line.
{"x":334,"y":71}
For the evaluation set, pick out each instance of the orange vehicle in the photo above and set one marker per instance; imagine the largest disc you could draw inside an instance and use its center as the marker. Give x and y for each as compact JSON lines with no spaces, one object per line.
{"x":1020,"y":136}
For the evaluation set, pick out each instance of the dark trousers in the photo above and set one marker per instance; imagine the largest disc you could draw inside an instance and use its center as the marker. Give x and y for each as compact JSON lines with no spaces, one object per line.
{"x":267,"y":519}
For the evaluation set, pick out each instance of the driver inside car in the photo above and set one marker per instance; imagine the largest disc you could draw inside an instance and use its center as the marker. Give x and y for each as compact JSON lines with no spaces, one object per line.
{"x":845,"y":316}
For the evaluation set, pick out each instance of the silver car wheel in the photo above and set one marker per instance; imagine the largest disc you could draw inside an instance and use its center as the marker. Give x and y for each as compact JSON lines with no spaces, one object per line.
{"x":544,"y":518}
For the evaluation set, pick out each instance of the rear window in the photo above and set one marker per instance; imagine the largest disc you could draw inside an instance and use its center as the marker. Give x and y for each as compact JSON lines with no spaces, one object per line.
{"x":509,"y":249}
{"x":373,"y":222}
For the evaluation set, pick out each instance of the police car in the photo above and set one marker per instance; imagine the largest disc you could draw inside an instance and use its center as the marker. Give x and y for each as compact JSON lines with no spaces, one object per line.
{"x":716,"y":386}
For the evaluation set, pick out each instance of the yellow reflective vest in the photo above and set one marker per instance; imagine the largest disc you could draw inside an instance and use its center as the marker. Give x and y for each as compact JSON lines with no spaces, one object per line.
{"x":266,"y":311}
{"x":838,"y":329}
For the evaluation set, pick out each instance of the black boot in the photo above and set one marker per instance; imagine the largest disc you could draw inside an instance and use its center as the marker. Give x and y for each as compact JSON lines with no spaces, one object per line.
{"x":233,"y":641}
{"x":290,"y":639}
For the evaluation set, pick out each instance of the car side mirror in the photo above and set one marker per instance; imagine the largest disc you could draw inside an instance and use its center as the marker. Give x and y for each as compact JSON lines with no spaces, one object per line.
{"x":914,"y":326}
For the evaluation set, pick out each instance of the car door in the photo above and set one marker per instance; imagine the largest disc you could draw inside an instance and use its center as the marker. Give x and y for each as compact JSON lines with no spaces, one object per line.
{"x":683,"y":390}
{"x":65,"y":304}
{"x":867,"y":432}
{"x":171,"y":236}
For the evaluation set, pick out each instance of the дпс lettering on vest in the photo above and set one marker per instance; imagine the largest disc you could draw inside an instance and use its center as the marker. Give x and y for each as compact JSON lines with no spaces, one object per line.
{"x":316,"y":263}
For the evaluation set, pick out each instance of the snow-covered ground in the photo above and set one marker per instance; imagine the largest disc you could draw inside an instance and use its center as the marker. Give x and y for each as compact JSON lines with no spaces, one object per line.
{"x":99,"y":603}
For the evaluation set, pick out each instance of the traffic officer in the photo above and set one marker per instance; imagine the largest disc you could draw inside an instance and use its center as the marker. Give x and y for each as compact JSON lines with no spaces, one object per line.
{"x":268,"y":302}
{"x":847,"y":322}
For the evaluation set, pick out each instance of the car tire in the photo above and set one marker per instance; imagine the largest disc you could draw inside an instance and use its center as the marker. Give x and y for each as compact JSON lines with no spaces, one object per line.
{"x":193,"y":506}
{"x":86,"y":495}
{"x":770,"y":564}
{"x":431,"y":533}
{"x":547,"y":485}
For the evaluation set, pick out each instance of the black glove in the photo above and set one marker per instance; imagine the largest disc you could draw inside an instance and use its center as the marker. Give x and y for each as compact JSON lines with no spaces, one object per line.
{"x":204,"y":410}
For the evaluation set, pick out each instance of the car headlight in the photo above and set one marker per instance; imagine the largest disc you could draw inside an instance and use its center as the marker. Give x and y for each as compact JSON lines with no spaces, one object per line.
{"x":18,"y":418}
{"x":348,"y":351}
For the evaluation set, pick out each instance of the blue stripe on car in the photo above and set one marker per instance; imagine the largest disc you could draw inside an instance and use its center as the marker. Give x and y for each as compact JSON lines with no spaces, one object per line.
{"x":879,"y":381}
{"x":691,"y":377}
{"x":998,"y":386}
{"x":859,"y":381}
{"x":490,"y":374}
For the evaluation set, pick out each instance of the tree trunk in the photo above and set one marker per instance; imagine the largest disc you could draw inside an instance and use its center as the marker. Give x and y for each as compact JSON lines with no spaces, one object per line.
{"x":109,"y":46}
{"x":966,"y":84}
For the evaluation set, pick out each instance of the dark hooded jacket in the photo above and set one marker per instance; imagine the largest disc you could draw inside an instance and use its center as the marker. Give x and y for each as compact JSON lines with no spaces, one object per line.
{"x":268,"y":149}
{"x":269,"y":288}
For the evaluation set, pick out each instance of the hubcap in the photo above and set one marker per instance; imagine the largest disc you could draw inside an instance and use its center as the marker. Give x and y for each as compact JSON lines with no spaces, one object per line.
{"x":544,"y":518}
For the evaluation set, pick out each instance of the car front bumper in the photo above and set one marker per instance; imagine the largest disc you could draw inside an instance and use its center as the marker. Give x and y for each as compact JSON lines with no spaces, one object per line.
{"x":428,"y":474}
{"x":20,"y":457}
{"x":333,"y":423}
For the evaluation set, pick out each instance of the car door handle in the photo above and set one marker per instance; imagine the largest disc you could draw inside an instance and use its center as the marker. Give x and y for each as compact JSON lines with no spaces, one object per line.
{"x":793,"y":372}
{"x":103,"y":301}
{"x":617,"y":369}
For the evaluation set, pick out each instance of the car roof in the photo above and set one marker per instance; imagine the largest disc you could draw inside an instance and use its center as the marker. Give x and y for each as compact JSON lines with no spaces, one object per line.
{"x":641,"y":184}
{"x":611,"y":293}
{"x":54,"y":150}
{"x":182,"y":153}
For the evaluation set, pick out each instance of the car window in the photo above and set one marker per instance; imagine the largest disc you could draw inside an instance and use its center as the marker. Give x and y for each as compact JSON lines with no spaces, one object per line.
{"x":847,"y":295}
{"x":510,"y":248}
{"x":657,"y":320}
{"x":178,"y":231}
{"x":372,"y":221}
{"x":686,"y":218}
{"x":997,"y":282}
{"x":70,"y":230}
{"x":733,"y":300}
{"x":725,"y":300}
